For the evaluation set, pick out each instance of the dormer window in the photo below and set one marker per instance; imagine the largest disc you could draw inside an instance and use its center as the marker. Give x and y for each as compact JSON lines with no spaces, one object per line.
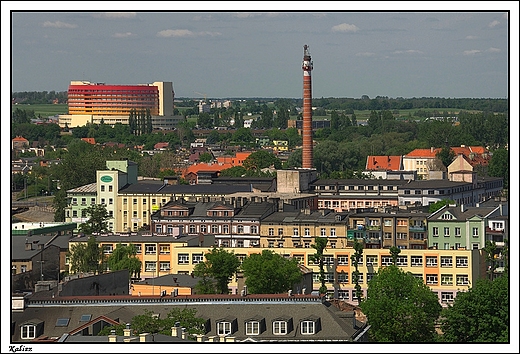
{"x":447,"y":216}
{"x":310,"y":325}
{"x":28,"y":331}
{"x":280,"y":327}
{"x":226,"y":326}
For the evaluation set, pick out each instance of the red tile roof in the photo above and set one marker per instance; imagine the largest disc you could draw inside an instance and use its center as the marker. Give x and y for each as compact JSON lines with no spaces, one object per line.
{"x":392,"y":163}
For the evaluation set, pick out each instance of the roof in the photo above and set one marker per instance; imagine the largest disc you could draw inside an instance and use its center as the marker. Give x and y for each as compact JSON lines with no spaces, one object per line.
{"x":217,"y":167}
{"x":87,"y":188}
{"x":172,"y":280}
{"x":392,"y":163}
{"x":331,"y":323}
{"x":21,"y":139}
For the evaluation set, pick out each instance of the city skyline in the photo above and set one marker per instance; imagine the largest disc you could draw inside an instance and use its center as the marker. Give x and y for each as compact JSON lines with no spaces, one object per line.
{"x":238,"y":54}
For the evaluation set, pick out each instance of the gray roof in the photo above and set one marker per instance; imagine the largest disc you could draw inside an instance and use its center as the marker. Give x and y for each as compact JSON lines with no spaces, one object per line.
{"x":155,"y":186}
{"x":18,"y":251}
{"x":360,"y":182}
{"x":87,"y":188}
{"x":173,"y":280}
{"x":332,"y":324}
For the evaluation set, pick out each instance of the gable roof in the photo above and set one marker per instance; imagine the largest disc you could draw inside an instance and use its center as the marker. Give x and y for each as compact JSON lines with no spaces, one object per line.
{"x":392,"y":163}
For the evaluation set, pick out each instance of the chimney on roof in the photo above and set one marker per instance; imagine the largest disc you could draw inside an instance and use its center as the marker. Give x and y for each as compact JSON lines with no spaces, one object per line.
{"x":127,"y":331}
{"x":431,"y":149}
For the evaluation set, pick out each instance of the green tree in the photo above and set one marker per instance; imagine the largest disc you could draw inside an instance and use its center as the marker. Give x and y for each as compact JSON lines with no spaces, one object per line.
{"x":400,"y":307}
{"x":97,"y":222}
{"x":499,"y":165}
{"x":235,"y":171}
{"x":357,"y":257}
{"x":479,"y":315}
{"x":394,"y":252}
{"x":86,"y":257}
{"x":270,"y":273}
{"x":319,"y":245}
{"x":205,"y":157}
{"x":60,"y":203}
{"x":446,"y":155}
{"x":437,"y":205}
{"x":148,"y":323}
{"x":261,"y":159}
{"x":125,"y":257}
{"x":220,"y":265}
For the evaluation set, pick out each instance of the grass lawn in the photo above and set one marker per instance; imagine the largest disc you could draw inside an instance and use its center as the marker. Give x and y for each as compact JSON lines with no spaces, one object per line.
{"x":44,"y":110}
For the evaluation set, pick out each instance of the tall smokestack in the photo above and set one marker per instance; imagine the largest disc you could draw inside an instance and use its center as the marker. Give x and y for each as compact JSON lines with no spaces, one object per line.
{"x":307,"y":109}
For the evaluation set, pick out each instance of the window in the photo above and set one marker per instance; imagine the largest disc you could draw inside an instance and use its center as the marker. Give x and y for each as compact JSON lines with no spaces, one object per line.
{"x":28,"y":332}
{"x":183,"y":258}
{"x":446,"y":279}
{"x":457,"y":246}
{"x":270,"y":244}
{"x":402,"y":261}
{"x":371,"y":260}
{"x":144,"y":201}
{"x":225,"y":229}
{"x":360,"y":278}
{"x":83,"y":201}
{"x":435,"y":231}
{"x":402,"y":222}
{"x":214,"y":229}
{"x":332,"y":244}
{"x":164,"y":266}
{"x":150,"y":266}
{"x":92,"y":200}
{"x":102,"y":188}
{"x":342,"y":278}
{"x":360,"y":262}
{"x":431,"y":279}
{"x":386,"y":260}
{"x":134,"y":201}
{"x":447,"y":246}
{"x":475,"y":232}
{"x":280,"y":231}
{"x":388,"y":223}
{"x":280,"y":327}
{"x":252,"y":328}
{"x":191,"y":229}
{"x":388,"y":235}
{"x":271,"y":231}
{"x":85,"y":318}
{"x":164,"y":249}
{"x":108,"y":249}
{"x":150,"y":249}
{"x":457,"y":232}
{"x":138,"y":248}
{"x":307,"y":327}
{"x":254,"y":229}
{"x":446,"y":232}
{"x":431,"y":261}
{"x":203,"y":229}
{"x":197,"y":258}
{"x":323,"y":232}
{"x":223,"y":328}
{"x":462,"y":279}
{"x":446,"y":261}
{"x":475,"y":246}
{"x":295,"y":231}
{"x":461,"y":262}
{"x":447,"y":216}
{"x":446,"y":297}
{"x":110,"y":188}
{"x":125,"y":201}
{"x":369,"y":276}
{"x":102,"y":200}
{"x":332,"y":232}
{"x":343,"y":294}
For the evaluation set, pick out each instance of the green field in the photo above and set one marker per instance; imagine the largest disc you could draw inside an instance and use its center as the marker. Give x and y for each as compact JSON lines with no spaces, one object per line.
{"x":44,"y":110}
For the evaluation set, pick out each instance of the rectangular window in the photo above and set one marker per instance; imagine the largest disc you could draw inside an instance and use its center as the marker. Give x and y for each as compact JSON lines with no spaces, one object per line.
{"x":135,"y":201}
{"x":138,"y":248}
{"x":431,"y":279}
{"x":83,"y":201}
{"x":446,"y":232}
{"x":369,"y":276}
{"x":388,"y":235}
{"x":306,"y":231}
{"x":271,"y":231}
{"x":307,"y":327}
{"x":164,"y":266}
{"x":360,"y":262}
{"x":252,"y":328}
{"x":223,"y":328}
{"x":150,"y":248}
{"x":110,"y":188}
{"x":183,"y":258}
{"x":295,"y":232}
{"x":386,"y":260}
{"x":279,"y":327}
{"x":333,"y":232}
{"x":401,"y":236}
{"x":102,"y":188}
{"x":342,"y":278}
{"x":402,"y":261}
{"x":110,"y":201}
{"x":371,"y":260}
{"x":446,"y":261}
{"x":446,"y":297}
{"x":461,"y":262}
{"x":323,"y":232}
{"x":164,"y":249}
{"x":462,"y":279}
{"x":149,"y":266}
{"x":431,"y":261}
{"x":360,"y":278}
{"x":457,"y":232}
{"x":343,"y":294}
{"x":446,"y":279}
{"x":144,"y":201}
{"x":28,"y":332}
{"x":197,"y":258}
{"x":107,"y":249}
{"x":280,"y":231}
{"x":435,"y":231}
{"x":475,"y":232}
{"x":343,"y":260}
{"x":125,"y":201}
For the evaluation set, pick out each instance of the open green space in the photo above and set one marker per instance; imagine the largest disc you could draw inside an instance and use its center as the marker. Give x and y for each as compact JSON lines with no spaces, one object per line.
{"x":43,"y":110}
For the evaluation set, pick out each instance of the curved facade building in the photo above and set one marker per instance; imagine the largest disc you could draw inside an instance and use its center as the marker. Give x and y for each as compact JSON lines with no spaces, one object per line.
{"x":95,"y":102}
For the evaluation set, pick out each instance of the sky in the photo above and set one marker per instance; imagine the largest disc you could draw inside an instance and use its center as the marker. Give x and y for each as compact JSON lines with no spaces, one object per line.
{"x":236,"y":53}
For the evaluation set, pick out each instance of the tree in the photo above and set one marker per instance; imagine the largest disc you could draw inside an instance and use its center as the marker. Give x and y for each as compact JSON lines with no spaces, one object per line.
{"x":97,"y":222}
{"x":219,"y":265}
{"x":125,"y":257}
{"x":319,"y":245}
{"x":86,"y":257}
{"x":270,"y":273}
{"x":148,"y":323}
{"x":394,"y":252}
{"x":357,"y":257}
{"x":261,"y":159}
{"x":437,"y":205}
{"x":479,"y":315}
{"x":205,"y":157}
{"x":499,"y":165}
{"x":446,"y":155}
{"x":400,"y":307}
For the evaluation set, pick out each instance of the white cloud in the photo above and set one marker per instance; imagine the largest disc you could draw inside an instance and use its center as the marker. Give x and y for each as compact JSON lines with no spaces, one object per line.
{"x":494,"y":50}
{"x":409,"y":51}
{"x":345,"y":27}
{"x":493,"y":24}
{"x":58,"y":24}
{"x":185,"y":33}
{"x":123,"y":35}
{"x":115,"y":15}
{"x":365,"y":54}
{"x":471,"y":52}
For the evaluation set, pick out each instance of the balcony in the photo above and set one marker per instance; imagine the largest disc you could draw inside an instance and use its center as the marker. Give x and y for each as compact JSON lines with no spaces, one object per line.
{"x":417,"y":228}
{"x":374,"y":227}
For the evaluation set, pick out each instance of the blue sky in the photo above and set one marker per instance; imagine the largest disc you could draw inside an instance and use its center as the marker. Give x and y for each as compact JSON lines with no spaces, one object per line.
{"x":233,"y":53}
